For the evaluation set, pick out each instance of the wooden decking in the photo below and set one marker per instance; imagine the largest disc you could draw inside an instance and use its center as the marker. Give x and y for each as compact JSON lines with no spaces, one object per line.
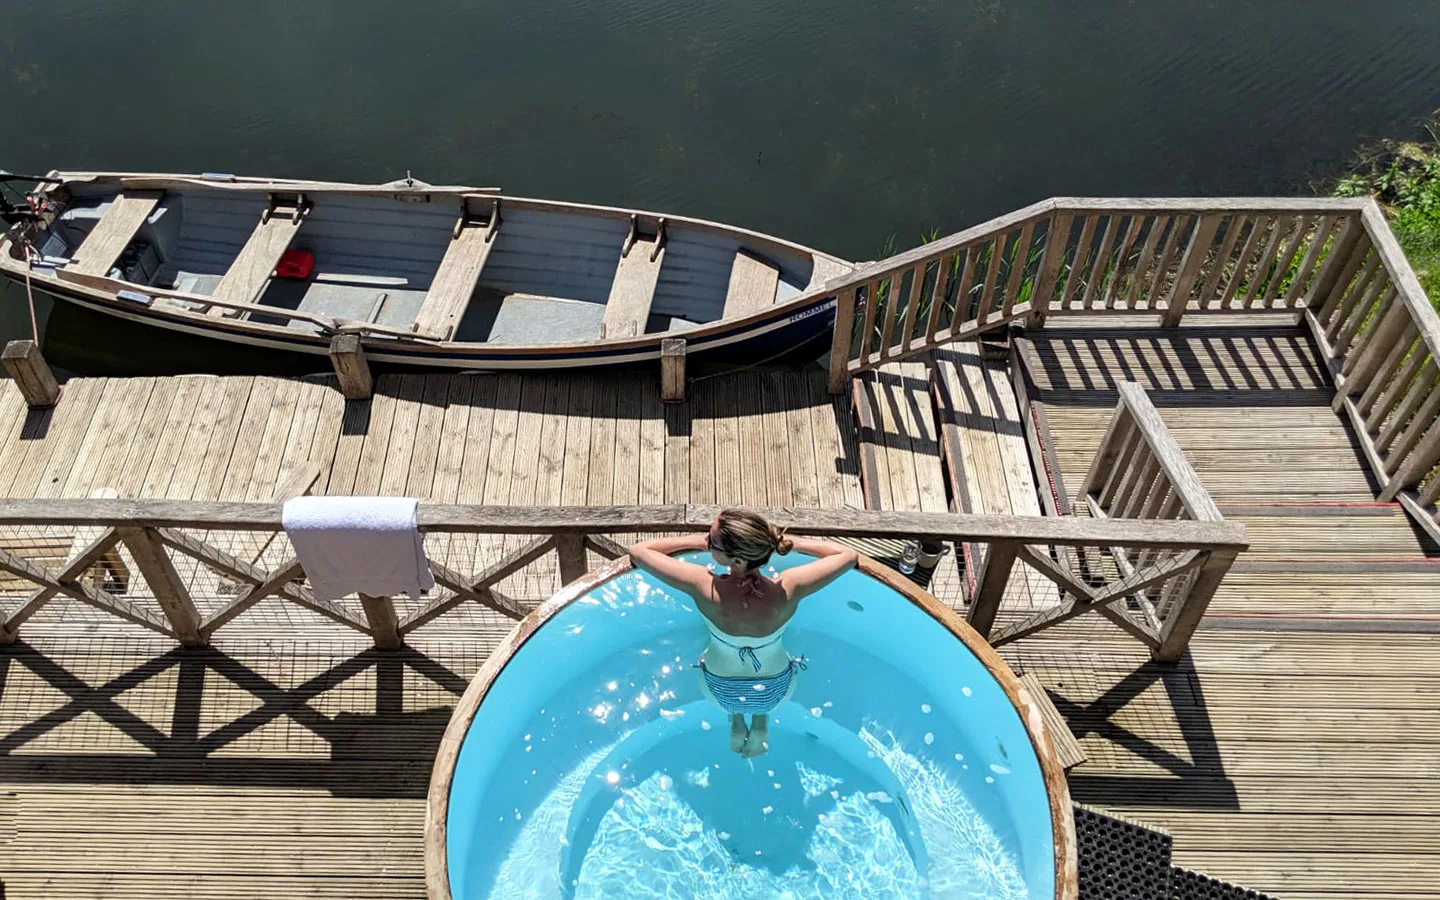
{"x":1294,"y":750}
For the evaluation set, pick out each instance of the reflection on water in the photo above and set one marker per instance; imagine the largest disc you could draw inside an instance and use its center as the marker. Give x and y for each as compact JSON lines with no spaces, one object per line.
{"x":834,"y":123}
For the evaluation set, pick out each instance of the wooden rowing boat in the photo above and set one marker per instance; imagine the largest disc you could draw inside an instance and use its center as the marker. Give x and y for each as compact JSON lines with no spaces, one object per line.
{"x":425,"y":275}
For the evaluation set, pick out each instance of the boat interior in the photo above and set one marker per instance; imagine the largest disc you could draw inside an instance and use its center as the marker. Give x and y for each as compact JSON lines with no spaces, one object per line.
{"x":447,"y":266}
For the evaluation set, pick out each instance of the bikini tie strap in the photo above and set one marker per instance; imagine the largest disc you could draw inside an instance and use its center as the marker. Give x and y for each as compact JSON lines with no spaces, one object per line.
{"x":748,"y":654}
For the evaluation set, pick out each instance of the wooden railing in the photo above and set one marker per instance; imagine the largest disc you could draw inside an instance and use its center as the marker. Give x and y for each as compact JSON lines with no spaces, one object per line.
{"x":1078,"y":255}
{"x":1139,"y":472}
{"x":1380,"y":336}
{"x":189,"y":569}
{"x":1334,"y":262}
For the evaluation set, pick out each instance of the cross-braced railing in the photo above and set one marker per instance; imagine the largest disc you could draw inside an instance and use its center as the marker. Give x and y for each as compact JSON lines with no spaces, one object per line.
{"x":189,"y":569}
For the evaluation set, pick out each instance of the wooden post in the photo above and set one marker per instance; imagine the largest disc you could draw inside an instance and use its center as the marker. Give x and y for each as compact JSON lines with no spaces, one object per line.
{"x":672,"y":369}
{"x":348,"y":358}
{"x":31,"y":373}
{"x":840,"y":340}
{"x":994,"y":576}
{"x":384,"y":623}
{"x":570,"y":548}
{"x":1195,"y":255}
{"x":1417,"y":462}
{"x":1328,"y":279}
{"x":1185,"y":616}
{"x":165,"y":583}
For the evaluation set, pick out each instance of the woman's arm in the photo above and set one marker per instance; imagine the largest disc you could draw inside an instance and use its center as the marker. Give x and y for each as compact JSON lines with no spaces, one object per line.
{"x":654,"y":557}
{"x":834,"y":560}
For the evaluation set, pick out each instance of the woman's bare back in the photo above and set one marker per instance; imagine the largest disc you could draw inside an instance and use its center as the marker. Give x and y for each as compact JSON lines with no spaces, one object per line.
{"x":749,"y":605}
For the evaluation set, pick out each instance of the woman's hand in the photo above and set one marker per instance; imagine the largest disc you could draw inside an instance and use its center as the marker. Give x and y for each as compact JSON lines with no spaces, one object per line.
{"x":654,"y":557}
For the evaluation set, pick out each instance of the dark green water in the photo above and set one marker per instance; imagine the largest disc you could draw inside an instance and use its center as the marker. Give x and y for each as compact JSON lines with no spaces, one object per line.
{"x":836,"y":123}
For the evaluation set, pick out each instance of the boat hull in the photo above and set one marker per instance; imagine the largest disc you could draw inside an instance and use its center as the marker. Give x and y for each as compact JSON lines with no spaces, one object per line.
{"x":795,"y":333}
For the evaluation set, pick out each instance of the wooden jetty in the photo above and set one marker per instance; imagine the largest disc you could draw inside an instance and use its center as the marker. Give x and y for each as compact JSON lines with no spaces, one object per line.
{"x":1184,"y":452}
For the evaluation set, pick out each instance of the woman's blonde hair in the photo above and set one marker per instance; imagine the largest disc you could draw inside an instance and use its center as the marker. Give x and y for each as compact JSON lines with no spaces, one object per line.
{"x":749,"y":538}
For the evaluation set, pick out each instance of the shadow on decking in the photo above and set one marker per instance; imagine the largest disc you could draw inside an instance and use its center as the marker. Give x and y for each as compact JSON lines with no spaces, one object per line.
{"x":1268,"y":365}
{"x":384,"y":753}
{"x":1198,"y":781}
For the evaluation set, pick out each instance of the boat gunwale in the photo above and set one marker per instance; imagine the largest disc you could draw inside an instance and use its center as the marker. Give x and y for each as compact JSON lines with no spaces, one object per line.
{"x":651,"y":342}
{"x":447,"y":755}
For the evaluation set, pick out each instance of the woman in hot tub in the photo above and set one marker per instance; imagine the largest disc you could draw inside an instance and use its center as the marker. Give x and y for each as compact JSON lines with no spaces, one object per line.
{"x":745,"y":668}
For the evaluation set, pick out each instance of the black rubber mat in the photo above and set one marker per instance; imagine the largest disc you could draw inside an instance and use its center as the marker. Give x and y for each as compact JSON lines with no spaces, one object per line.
{"x":1120,"y":860}
{"x":1187,"y":885}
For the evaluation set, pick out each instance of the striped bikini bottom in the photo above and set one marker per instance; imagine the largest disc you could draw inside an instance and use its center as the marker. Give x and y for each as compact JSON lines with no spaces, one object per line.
{"x":751,"y":695}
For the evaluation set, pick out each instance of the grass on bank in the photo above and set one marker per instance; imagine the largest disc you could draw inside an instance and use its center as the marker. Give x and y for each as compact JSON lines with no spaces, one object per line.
{"x":1404,"y":176}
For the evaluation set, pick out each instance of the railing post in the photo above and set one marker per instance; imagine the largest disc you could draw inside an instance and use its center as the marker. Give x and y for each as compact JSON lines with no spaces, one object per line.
{"x":1057,"y":236}
{"x":1185,"y":616}
{"x":672,"y":369}
{"x":570,"y":548}
{"x":32,"y":374}
{"x":384,"y":623}
{"x":164,"y":581}
{"x":348,"y":358}
{"x":840,"y":340}
{"x":1195,"y":255}
{"x":994,"y":576}
{"x":1335,"y":263}
{"x":1417,"y":462}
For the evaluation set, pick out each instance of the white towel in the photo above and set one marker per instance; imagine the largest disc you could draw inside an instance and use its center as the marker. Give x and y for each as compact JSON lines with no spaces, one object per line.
{"x":358,"y":545}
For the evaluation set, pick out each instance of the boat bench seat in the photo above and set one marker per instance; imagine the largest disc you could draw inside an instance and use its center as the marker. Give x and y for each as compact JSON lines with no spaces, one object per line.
{"x":100,"y":250}
{"x":250,"y":271}
{"x":454,"y":283}
{"x":753,"y":283}
{"x":633,"y":290}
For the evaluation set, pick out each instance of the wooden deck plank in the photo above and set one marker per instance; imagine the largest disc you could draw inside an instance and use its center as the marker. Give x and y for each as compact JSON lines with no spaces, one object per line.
{"x":12,"y":422}
{"x":628,"y":410}
{"x":779,"y":489}
{"x":295,"y":458}
{"x":404,"y":425}
{"x":728,"y":450}
{"x":702,"y":442}
{"x":830,"y":458}
{"x":453,"y":441}
{"x":374,"y":452}
{"x":652,"y":443}
{"x":499,"y":464}
{"x":600,"y":490}
{"x":800,"y":439}
{"x":275,"y":435}
{"x":576,"y":459}
{"x":207,"y":418}
{"x":117,"y":227}
{"x":750,"y":427}
{"x":237,"y":476}
{"x":550,"y":471}
{"x":678,"y":423}
{"x":171,"y":441}
{"x":119,"y":428}
{"x":424,"y":459}
{"x":52,"y":457}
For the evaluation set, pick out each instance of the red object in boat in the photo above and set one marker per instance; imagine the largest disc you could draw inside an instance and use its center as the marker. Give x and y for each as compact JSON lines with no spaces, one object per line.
{"x":296,"y":264}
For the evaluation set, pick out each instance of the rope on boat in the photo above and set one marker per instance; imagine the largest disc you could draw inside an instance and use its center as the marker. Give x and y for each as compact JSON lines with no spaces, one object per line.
{"x":30,"y":294}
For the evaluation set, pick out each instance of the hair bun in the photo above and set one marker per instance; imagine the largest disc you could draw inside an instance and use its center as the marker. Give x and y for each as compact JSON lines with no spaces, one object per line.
{"x":783,"y":545}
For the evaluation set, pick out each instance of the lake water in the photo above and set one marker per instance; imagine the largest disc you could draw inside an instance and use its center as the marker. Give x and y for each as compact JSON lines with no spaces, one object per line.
{"x":837,"y":124}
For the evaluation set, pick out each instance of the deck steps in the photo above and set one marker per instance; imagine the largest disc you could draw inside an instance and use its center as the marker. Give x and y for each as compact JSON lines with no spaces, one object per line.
{"x":985,"y":454}
{"x":117,"y":227}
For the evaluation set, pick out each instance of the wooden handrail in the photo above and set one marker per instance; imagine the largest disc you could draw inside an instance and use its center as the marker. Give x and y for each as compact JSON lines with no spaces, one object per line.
{"x":440,"y":518}
{"x":153,"y":530}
